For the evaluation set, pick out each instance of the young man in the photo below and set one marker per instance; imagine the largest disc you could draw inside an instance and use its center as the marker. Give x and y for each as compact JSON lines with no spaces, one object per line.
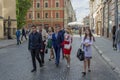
{"x":57,"y":41}
{"x":35,"y":46}
{"x":23,"y":34}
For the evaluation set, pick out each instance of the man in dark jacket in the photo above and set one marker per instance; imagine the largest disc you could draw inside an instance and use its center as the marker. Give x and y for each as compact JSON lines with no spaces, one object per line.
{"x":35,"y":46}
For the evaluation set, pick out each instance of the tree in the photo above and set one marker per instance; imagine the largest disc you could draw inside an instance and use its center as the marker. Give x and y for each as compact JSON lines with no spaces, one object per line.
{"x":22,"y":6}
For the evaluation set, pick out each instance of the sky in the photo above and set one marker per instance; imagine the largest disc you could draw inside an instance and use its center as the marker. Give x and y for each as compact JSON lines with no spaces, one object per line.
{"x":81,"y":8}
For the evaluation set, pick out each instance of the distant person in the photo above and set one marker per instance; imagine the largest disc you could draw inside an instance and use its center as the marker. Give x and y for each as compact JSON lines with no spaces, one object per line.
{"x":87,"y":42}
{"x":18,"y":34}
{"x":80,"y":32}
{"x":114,"y":37}
{"x":23,"y":34}
{"x":67,"y":45}
{"x":35,"y":47}
{"x":118,"y":39}
{"x":43,"y":32}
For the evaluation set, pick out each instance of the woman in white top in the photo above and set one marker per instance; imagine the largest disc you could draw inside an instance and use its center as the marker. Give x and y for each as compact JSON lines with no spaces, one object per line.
{"x":87,"y":47}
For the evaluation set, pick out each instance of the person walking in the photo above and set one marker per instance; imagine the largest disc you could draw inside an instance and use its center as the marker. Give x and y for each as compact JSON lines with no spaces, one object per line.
{"x":67,"y":45}
{"x":57,"y":41}
{"x":23,"y":34}
{"x":43,"y":32}
{"x":18,"y":34}
{"x":35,"y":47}
{"x":87,"y":42}
{"x":118,"y":39}
{"x":49,"y":44}
{"x":114,"y":37}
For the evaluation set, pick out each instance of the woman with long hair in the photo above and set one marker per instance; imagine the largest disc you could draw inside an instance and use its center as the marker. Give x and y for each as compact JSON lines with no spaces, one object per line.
{"x":67,"y":43}
{"x":87,"y":42}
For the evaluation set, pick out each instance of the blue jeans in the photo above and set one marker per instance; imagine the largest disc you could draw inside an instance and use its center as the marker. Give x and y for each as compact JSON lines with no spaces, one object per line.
{"x":57,"y":53}
{"x":18,"y":40}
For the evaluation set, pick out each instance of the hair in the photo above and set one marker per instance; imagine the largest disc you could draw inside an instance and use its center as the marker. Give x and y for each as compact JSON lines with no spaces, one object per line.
{"x":34,"y":26}
{"x":90,"y":34}
{"x":69,"y":30}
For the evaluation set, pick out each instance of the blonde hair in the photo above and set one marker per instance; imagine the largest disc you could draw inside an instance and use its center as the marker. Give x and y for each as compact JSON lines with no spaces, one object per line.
{"x":69,"y":30}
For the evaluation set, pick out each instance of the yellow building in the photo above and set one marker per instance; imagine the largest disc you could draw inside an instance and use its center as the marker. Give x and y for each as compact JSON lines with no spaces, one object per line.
{"x":7,"y":8}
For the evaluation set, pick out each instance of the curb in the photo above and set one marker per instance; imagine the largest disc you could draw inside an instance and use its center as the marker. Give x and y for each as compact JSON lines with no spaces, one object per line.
{"x":109,"y":62}
{"x":1,"y":47}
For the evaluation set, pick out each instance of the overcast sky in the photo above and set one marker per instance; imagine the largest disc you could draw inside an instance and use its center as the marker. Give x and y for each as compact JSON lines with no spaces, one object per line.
{"x":81,"y":8}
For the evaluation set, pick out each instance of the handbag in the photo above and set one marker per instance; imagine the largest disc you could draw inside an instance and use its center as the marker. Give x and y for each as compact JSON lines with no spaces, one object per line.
{"x":80,"y":54}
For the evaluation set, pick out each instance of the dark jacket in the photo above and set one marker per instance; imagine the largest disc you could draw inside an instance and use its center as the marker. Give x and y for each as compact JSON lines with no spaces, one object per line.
{"x":56,"y":41}
{"x":35,"y":41}
{"x":23,"y":32}
{"x":62,"y":32}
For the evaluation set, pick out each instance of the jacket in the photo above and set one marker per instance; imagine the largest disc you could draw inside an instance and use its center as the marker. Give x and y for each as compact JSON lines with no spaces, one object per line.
{"x":118,"y":36}
{"x":35,"y":41}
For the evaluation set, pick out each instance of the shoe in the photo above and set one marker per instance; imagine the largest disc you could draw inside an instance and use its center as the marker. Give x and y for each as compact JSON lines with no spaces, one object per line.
{"x":68,"y":66}
{"x":57,"y":65}
{"x":89,"y":70}
{"x":41,"y":65}
{"x":49,"y":59}
{"x":33,"y":70}
{"x":83,"y":74}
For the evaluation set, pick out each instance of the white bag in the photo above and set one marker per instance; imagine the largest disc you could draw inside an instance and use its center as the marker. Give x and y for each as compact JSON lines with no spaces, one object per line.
{"x":67,"y":46}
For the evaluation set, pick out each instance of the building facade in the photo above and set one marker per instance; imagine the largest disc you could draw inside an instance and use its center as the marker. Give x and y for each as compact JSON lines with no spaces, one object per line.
{"x":86,"y":21}
{"x":50,"y":13}
{"x":7,"y":9}
{"x":105,"y":15}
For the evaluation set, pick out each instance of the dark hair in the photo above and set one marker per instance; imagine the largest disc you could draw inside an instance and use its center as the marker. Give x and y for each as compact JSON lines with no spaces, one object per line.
{"x":114,"y":30}
{"x":90,"y":34}
{"x":34,"y":26}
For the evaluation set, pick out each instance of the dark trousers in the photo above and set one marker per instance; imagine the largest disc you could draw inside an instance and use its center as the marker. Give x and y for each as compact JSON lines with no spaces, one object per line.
{"x":57,"y":53}
{"x":24,"y":37}
{"x":35,"y":55}
{"x":18,"y":41}
{"x":42,"y":54}
{"x":114,"y":44}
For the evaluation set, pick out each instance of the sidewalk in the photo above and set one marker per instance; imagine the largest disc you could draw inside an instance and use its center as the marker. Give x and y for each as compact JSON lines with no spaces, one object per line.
{"x":5,"y":43}
{"x":104,"y":47}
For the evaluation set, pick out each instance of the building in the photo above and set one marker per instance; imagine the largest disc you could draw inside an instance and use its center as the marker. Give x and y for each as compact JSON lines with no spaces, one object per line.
{"x":105,"y":16}
{"x":86,"y":21}
{"x":7,"y":9}
{"x":50,"y":13}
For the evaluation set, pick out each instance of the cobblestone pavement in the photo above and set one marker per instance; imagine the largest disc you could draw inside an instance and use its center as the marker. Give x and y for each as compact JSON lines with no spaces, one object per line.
{"x":15,"y":64}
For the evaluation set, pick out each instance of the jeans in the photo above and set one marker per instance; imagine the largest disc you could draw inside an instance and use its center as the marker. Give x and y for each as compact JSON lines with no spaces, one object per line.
{"x":118,"y":46}
{"x":57,"y":53}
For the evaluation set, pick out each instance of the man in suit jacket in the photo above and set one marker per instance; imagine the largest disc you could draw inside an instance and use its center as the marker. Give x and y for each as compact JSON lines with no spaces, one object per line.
{"x":35,"y":46}
{"x":57,"y":41}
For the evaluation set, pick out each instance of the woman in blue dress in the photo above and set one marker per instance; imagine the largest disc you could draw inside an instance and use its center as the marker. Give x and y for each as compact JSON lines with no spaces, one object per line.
{"x":87,"y":42}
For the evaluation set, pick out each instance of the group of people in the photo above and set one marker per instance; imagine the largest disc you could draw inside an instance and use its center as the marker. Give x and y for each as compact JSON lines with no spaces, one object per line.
{"x":116,"y":38}
{"x":58,"y":40}
{"x":20,"y":34}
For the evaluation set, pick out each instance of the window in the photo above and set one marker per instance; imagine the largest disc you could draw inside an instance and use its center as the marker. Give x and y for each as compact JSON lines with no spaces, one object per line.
{"x":57,"y":4}
{"x":30,"y":16}
{"x":38,"y":5}
{"x":46,"y":4}
{"x":57,"y":15}
{"x":46,"y":15}
{"x":38,"y":15}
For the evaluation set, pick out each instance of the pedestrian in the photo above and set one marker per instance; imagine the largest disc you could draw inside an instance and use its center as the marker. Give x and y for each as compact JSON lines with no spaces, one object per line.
{"x":67,"y":45}
{"x":35,"y":47}
{"x":44,"y":35}
{"x":114,"y":37}
{"x":118,"y":39}
{"x":49,"y":44}
{"x":18,"y":34}
{"x":80,"y":32}
{"x":87,"y":42}
{"x":62,"y":32}
{"x":57,"y":41}
{"x":23,"y":34}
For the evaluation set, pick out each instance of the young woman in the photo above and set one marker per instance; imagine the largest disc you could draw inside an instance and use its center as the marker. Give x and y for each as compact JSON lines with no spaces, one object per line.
{"x":49,"y":44}
{"x":87,"y":47}
{"x":67,"y":43}
{"x":114,"y":37}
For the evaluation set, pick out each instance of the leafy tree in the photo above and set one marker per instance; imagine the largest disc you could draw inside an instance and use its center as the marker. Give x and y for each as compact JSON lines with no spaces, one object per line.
{"x":22,"y":6}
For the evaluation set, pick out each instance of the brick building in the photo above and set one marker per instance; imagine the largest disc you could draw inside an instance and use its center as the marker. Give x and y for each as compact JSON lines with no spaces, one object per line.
{"x":50,"y":13}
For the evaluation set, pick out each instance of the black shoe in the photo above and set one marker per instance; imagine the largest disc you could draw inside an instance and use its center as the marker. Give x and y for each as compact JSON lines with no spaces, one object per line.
{"x":33,"y":70}
{"x":83,"y":74}
{"x":49,"y":59}
{"x":89,"y":70}
{"x":57,"y":65}
{"x":41,"y":65}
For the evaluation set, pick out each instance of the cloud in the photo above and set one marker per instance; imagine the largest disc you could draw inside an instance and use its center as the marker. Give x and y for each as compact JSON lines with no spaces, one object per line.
{"x":81,"y":8}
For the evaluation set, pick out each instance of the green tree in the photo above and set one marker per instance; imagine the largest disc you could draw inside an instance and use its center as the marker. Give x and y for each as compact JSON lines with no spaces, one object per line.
{"x":22,"y":6}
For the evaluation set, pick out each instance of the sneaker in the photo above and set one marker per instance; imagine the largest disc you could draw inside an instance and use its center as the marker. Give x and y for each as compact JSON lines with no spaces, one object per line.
{"x":68,"y":66}
{"x":33,"y":70}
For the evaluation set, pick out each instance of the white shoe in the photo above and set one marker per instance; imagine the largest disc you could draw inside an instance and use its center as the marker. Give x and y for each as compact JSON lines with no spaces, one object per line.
{"x":68,"y":66}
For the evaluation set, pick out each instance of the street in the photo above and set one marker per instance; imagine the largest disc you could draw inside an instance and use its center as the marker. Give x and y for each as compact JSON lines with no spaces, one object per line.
{"x":16,"y":64}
